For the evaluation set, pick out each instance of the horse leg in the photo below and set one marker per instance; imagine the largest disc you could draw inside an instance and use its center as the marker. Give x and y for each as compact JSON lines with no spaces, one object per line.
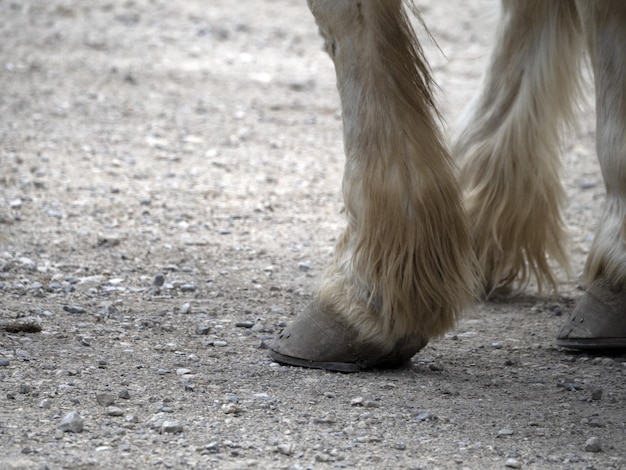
{"x":599,"y":319}
{"x":403,"y":270}
{"x":509,"y":147}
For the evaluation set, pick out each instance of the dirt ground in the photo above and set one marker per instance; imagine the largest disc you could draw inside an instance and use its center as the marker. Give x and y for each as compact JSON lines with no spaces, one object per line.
{"x":169,"y":195}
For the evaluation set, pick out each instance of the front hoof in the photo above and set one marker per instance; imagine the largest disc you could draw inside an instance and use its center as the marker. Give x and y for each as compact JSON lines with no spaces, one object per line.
{"x":319,"y":339}
{"x":598,"y":321}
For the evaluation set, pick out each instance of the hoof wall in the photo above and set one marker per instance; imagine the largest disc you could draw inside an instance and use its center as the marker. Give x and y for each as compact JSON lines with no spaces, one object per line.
{"x":318,"y":339}
{"x":598,"y":321}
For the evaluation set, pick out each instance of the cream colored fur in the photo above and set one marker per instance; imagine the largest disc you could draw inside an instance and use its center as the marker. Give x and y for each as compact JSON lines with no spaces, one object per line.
{"x":404,"y":265}
{"x":509,"y":147}
{"x":604,"y":23}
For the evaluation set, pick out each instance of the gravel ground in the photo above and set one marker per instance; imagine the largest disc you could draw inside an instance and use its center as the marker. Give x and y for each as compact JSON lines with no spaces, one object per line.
{"x":169,"y":196}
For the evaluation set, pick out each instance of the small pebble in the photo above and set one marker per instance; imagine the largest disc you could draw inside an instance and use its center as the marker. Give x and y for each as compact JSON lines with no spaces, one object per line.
{"x":244,"y":324}
{"x":570,"y":386}
{"x":185,"y":309}
{"x":425,"y":417}
{"x":74,"y":309}
{"x":212,"y":448}
{"x":593,"y":445}
{"x":587,"y":184}
{"x":505,"y":432}
{"x":4,"y":362}
{"x":171,"y":427}
{"x":22,"y":355}
{"x":124,"y":394}
{"x":115,"y":411}
{"x":188,"y":288}
{"x":72,"y":422}
{"x":258,"y":328}
{"x":285,"y":449}
{"x":512,"y":463}
{"x":158,"y":280}
{"x":202,"y":329}
{"x":105,"y":399}
{"x":596,"y":394}
{"x":358,"y":401}
{"x":231,"y":408}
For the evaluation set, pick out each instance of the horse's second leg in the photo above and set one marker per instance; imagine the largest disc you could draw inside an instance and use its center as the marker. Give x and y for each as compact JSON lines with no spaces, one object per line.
{"x":599,"y":319}
{"x":509,"y":147}
{"x":403,"y":270}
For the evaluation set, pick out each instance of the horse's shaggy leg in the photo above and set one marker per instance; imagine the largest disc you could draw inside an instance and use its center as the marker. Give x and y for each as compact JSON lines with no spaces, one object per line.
{"x":404,"y":269}
{"x":599,"y":320}
{"x":509,"y":147}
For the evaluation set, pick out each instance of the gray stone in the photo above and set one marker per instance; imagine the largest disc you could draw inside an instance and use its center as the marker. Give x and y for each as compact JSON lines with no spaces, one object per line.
{"x":105,"y":399}
{"x":426,"y":416}
{"x":202,"y":329}
{"x":72,"y":422}
{"x":74,"y":309}
{"x":593,"y":445}
{"x":115,"y":411}
{"x":45,"y":404}
{"x":357,"y":401}
{"x":22,"y":354}
{"x":171,"y":427}
{"x":158,"y":280}
{"x":285,"y":449}
{"x":512,"y":463}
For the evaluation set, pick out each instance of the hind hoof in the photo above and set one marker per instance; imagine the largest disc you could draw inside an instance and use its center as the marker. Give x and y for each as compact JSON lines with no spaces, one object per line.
{"x":598,"y":321}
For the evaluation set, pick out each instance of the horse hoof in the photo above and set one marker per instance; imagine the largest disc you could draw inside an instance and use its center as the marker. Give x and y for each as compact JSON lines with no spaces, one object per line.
{"x":318,"y":339}
{"x":598,"y":321}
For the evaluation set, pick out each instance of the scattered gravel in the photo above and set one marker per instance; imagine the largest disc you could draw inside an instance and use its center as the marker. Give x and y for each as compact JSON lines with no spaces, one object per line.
{"x":170,"y":194}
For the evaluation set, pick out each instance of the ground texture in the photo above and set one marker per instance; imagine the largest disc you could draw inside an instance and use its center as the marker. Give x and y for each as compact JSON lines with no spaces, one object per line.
{"x":169,"y":196}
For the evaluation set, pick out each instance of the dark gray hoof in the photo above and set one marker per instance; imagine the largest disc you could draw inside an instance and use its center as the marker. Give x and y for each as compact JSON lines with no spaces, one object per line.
{"x":598,"y":321}
{"x":319,"y":340}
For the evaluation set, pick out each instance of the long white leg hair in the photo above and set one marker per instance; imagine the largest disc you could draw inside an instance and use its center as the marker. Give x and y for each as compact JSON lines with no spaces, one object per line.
{"x":404,"y":265}
{"x":605,"y":29}
{"x":509,"y":147}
